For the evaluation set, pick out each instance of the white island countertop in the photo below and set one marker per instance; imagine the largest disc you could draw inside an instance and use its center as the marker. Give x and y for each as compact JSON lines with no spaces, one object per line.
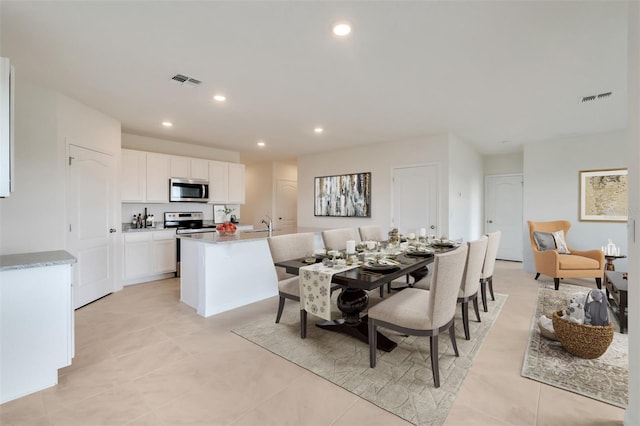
{"x":35,"y":260}
{"x":242,"y":236}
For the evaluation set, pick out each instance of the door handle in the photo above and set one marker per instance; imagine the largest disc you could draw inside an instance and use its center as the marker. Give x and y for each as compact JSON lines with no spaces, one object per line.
{"x":489,"y":221}
{"x":433,"y":227}
{"x":112,"y":230}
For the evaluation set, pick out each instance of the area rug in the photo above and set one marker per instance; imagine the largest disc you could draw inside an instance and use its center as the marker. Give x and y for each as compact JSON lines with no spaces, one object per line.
{"x":401,"y":383}
{"x":605,"y":378}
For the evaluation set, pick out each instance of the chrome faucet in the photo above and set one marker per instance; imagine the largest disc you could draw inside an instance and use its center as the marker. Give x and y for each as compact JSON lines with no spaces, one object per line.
{"x":269,"y":225}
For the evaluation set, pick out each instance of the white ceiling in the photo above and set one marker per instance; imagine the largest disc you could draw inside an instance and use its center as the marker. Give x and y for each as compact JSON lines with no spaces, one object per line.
{"x":496,"y":74}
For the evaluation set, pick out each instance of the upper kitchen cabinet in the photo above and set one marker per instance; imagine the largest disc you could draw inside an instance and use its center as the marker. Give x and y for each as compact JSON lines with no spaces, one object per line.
{"x":189,"y":168}
{"x":218,"y":182}
{"x":145,"y":177}
{"x":158,"y":169}
{"x":226,"y":183}
{"x":236,"y":184}
{"x":134,"y":176}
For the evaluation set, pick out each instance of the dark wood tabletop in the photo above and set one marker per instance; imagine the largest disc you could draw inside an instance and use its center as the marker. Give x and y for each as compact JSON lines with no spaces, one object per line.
{"x":364,"y":279}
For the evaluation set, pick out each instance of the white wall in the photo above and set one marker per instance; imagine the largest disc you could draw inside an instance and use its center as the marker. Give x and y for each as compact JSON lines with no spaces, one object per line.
{"x":167,"y":146}
{"x":466,"y":191}
{"x":259,"y":193}
{"x":32,"y":215}
{"x":379,"y":159}
{"x":551,"y":188}
{"x":502,"y":164}
{"x":33,"y":218}
{"x":261,"y":185}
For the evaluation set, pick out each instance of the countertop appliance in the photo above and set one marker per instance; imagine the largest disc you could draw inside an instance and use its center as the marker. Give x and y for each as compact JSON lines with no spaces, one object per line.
{"x":188,"y":190}
{"x":186,"y":223}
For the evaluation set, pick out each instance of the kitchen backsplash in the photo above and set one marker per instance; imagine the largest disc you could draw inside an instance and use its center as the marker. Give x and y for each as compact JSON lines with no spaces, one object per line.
{"x":158,"y":210}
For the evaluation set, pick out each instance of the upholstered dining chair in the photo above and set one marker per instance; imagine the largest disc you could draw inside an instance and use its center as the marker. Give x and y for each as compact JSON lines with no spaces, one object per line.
{"x":287,"y":247}
{"x":486,"y":278}
{"x":553,"y":257}
{"x":336,"y":239}
{"x":423,"y":313}
{"x":371,"y":233}
{"x":470,"y":282}
{"x":374,"y":233}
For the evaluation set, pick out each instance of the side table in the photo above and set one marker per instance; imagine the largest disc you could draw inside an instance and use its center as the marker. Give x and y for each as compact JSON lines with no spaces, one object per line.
{"x":609,"y":266}
{"x":617,"y":290}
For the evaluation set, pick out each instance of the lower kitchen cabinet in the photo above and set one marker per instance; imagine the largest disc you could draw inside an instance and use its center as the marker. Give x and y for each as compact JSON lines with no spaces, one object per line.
{"x":148,"y":255}
{"x":164,"y":252}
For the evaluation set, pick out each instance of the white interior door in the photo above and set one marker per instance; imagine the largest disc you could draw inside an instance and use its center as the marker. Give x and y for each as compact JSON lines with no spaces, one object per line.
{"x":286,"y":204}
{"x":90,"y":211}
{"x":503,"y":212}
{"x":415,"y":199}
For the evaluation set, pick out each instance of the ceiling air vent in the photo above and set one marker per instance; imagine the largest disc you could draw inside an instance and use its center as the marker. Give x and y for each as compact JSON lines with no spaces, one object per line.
{"x":184,"y":80}
{"x":597,"y":97}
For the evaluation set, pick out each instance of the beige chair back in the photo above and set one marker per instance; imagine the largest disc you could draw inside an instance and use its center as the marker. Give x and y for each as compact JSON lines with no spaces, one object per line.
{"x":290,"y":246}
{"x":492,"y":252}
{"x":448,"y":270}
{"x":473,"y":268}
{"x":336,"y":239}
{"x":371,"y":233}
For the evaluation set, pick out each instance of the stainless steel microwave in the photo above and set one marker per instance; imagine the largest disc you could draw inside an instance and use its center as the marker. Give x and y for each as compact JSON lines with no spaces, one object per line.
{"x":188,"y":190}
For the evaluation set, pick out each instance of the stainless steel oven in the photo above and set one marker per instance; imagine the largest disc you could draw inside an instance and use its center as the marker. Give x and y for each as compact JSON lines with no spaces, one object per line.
{"x":186,"y":223}
{"x":188,"y":190}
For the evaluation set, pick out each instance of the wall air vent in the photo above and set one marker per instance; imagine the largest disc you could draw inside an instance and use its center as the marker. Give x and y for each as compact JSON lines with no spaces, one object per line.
{"x":597,"y":97}
{"x":184,"y":80}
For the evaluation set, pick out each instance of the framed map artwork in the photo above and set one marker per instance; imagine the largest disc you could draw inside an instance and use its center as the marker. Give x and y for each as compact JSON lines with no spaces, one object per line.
{"x":604,"y":195}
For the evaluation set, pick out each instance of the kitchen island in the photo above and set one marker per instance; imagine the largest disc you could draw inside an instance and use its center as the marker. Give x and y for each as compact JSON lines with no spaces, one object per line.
{"x":220,"y":273}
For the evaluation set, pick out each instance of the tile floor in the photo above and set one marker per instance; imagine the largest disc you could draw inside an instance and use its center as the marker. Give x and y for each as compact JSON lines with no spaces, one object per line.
{"x":143,"y":358}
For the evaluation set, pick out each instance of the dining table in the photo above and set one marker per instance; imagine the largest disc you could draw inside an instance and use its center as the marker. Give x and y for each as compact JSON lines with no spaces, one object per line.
{"x":353,"y":298}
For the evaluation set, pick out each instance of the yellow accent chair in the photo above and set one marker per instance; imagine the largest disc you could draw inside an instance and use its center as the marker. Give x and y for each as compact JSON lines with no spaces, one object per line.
{"x":550,"y":262}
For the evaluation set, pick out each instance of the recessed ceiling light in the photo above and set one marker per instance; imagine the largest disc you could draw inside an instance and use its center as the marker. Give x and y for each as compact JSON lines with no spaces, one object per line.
{"x":220,"y":98}
{"x":261,"y":143}
{"x":318,"y":130}
{"x":342,"y":29}
{"x":167,"y":123}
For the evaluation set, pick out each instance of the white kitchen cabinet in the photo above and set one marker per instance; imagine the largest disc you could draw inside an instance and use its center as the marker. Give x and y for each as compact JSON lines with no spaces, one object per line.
{"x":199,"y":169}
{"x":218,"y":182}
{"x":164,"y":252}
{"x":133,"y":176}
{"x":189,"y":168}
{"x":236,"y":184}
{"x":158,"y":170}
{"x":180,"y":167}
{"x":137,"y":255}
{"x":148,"y":255}
{"x":226,"y":183}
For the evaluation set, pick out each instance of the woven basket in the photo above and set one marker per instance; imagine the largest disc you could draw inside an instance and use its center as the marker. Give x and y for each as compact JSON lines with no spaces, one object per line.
{"x":584,"y":341}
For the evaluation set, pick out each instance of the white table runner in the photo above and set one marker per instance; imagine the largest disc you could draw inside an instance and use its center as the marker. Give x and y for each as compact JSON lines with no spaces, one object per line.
{"x":315,"y":288}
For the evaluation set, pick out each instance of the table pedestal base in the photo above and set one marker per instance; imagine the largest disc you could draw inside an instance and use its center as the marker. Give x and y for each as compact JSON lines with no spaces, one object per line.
{"x":358,"y":330}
